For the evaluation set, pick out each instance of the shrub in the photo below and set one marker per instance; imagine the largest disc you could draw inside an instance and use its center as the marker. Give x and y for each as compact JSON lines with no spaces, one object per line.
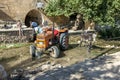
{"x":107,"y":32}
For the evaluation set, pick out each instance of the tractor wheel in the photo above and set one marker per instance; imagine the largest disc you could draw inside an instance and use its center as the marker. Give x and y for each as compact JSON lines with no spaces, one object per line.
{"x":38,"y":54}
{"x":64,"y":39}
{"x":54,"y":52}
{"x":32,"y":50}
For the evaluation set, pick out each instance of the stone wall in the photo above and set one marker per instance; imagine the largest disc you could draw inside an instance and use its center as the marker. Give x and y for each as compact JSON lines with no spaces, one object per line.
{"x":12,"y":35}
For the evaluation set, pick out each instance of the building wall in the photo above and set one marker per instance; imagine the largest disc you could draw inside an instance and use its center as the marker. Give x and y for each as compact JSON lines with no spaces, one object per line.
{"x":15,"y":9}
{"x":11,"y":10}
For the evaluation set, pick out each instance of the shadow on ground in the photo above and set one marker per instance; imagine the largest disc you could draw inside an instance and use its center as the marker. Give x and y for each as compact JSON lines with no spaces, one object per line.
{"x":97,"y":69}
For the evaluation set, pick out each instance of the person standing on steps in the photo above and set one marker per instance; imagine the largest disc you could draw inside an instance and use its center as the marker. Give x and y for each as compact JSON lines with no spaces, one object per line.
{"x":19,"y":25}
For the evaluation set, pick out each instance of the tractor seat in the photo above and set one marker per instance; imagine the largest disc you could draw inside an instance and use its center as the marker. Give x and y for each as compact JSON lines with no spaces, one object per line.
{"x":55,"y":32}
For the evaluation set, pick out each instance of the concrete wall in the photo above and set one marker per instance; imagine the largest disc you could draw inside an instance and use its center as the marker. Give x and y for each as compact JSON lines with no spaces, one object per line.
{"x":15,"y":9}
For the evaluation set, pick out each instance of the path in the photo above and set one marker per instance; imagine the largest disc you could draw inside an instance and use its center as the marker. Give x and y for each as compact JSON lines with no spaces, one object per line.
{"x":105,"y":67}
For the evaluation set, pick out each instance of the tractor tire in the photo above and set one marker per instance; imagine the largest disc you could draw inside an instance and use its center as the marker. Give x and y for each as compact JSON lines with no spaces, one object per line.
{"x":33,"y":51}
{"x":38,"y":53}
{"x":64,"y":40}
{"x":54,"y":52}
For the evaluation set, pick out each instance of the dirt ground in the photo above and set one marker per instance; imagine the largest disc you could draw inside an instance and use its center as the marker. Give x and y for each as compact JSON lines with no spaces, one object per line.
{"x":13,"y":58}
{"x":20,"y":58}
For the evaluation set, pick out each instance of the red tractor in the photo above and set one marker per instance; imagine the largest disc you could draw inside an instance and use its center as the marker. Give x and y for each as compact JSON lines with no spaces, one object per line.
{"x":52,"y":41}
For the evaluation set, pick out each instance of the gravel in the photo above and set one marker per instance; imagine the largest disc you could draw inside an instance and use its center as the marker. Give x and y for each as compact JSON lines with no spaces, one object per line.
{"x":106,"y":67}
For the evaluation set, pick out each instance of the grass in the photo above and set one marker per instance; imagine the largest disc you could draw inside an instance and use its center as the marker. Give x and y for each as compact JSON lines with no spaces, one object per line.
{"x":4,"y":59}
{"x":102,"y":47}
{"x":13,"y":45}
{"x":4,"y":47}
{"x":99,"y":47}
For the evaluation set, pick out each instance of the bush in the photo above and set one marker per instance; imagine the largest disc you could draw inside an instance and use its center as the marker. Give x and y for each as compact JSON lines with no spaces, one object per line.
{"x":107,"y":32}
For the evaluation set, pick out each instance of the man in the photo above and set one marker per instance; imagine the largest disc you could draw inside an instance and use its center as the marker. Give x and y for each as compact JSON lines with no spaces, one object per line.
{"x":79,"y":23}
{"x":19,"y":25}
{"x":3,"y":74}
{"x":37,"y":29}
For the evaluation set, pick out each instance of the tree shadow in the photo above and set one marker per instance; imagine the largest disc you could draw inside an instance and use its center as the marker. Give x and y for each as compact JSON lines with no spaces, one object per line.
{"x":97,"y":47}
{"x":30,"y":62}
{"x":72,"y":46}
{"x":8,"y":59}
{"x":24,"y":64}
{"x":5,"y":61}
{"x":104,"y":53}
{"x":62,"y":54}
{"x":87,"y":70}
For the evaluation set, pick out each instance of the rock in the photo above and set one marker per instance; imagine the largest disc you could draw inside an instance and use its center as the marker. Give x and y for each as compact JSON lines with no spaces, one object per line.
{"x":28,"y":67}
{"x":53,"y":63}
{"x":50,"y":66}
{"x":79,"y":42}
{"x":58,"y":66}
{"x":48,"y":62}
{"x":10,"y":45}
{"x":76,"y":76}
{"x":3,"y":74}
{"x":45,"y":67}
{"x":68,"y":59}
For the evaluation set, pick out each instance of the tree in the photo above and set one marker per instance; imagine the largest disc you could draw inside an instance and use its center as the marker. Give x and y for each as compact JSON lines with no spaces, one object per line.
{"x":103,"y":12}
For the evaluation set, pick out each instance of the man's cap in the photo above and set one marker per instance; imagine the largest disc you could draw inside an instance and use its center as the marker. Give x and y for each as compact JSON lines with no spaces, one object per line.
{"x":34,"y":24}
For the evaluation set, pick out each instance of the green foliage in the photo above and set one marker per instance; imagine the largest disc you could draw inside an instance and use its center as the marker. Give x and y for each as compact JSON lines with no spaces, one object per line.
{"x":107,"y":32}
{"x":103,"y":12}
{"x":54,"y":8}
{"x":13,"y":45}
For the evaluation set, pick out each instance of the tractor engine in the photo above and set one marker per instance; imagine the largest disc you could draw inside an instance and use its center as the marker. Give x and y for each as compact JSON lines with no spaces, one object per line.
{"x":43,"y":40}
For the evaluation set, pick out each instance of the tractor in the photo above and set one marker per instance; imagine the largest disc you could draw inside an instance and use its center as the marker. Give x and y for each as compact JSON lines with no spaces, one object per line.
{"x":52,"y":41}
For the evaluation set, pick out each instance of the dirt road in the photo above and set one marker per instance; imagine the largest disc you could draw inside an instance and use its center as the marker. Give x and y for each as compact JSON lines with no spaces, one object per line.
{"x":14,"y":58}
{"x":103,"y":68}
